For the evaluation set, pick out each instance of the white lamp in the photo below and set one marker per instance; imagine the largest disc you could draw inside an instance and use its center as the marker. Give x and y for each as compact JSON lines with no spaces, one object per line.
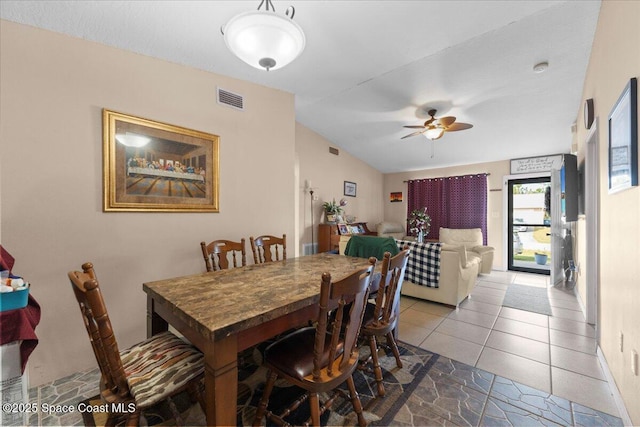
{"x":129,"y":139}
{"x":263,"y":39}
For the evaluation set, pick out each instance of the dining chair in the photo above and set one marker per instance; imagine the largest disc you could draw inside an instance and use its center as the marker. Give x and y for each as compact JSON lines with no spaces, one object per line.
{"x":381,"y":317}
{"x":263,"y":246}
{"x":143,"y":375}
{"x":321,"y":358}
{"x":216,"y":254}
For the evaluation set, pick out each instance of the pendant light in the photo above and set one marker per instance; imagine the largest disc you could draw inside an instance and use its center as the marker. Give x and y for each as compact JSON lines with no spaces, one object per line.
{"x":264,"y":39}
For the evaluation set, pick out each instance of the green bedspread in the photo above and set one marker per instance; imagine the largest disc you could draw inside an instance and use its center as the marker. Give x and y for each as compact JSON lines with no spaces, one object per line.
{"x":368,"y":246}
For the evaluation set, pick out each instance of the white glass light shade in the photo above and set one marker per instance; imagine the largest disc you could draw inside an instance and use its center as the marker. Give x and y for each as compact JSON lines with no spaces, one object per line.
{"x":434,"y":133}
{"x":132,"y":139}
{"x":264,"y":39}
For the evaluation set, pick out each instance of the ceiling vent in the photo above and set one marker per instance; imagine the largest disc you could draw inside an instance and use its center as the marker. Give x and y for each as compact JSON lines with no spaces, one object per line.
{"x":333,"y":150}
{"x":230,"y":99}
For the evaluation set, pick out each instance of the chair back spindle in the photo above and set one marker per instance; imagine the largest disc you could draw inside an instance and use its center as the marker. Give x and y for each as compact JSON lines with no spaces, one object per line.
{"x":268,"y":248}
{"x":216,"y":254}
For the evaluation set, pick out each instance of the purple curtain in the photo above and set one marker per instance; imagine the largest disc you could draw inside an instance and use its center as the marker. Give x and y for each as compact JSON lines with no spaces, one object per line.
{"x":452,"y":202}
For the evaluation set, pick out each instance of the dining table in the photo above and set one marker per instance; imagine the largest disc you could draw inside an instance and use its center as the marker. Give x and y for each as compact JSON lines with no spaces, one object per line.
{"x":224,"y":312}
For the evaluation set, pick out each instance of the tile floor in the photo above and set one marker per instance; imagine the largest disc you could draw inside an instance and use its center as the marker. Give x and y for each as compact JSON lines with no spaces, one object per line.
{"x":555,"y":354}
{"x":542,"y":369}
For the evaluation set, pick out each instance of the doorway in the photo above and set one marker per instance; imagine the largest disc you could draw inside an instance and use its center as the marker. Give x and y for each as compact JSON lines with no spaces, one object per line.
{"x":529,"y":225}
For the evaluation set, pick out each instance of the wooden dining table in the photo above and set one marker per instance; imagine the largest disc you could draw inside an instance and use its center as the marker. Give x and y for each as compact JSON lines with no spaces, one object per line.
{"x":227,"y":311}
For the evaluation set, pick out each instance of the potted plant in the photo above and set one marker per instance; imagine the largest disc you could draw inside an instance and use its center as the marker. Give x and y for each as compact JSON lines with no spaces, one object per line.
{"x":541,"y":258}
{"x":419,"y":223}
{"x":333,"y":209}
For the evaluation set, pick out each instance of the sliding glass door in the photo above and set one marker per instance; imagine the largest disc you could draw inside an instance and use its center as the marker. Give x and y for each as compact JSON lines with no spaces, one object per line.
{"x":529,"y":225}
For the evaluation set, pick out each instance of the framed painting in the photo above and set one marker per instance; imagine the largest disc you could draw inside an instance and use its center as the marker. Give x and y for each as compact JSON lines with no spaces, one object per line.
{"x":395,"y":197}
{"x":623,"y":140}
{"x":350,"y":188}
{"x":154,"y":166}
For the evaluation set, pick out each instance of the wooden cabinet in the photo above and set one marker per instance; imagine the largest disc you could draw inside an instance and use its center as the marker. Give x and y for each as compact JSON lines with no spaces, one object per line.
{"x":329,"y":235}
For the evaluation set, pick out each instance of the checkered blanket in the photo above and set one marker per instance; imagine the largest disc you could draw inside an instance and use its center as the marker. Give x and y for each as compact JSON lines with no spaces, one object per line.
{"x":423,"y":266}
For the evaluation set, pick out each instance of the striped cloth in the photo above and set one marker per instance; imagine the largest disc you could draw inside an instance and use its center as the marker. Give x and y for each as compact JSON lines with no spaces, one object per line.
{"x":159,"y":366}
{"x":423,"y":265}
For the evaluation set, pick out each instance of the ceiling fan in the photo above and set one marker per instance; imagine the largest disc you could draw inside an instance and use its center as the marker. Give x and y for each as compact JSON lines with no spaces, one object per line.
{"x":435,"y":128}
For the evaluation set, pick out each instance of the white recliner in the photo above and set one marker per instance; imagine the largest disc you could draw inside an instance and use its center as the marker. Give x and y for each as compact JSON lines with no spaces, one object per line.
{"x":471,"y":239}
{"x":393,"y":229}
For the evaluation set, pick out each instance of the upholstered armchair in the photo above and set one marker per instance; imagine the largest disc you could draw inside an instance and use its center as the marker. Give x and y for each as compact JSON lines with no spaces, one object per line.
{"x":471,"y":239}
{"x":393,"y":229}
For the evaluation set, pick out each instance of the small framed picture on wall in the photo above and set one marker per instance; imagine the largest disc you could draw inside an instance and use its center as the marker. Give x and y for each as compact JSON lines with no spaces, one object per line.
{"x":350,"y":188}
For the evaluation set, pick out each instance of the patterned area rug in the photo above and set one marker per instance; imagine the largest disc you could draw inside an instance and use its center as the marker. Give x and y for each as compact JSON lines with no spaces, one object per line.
{"x":529,"y":298}
{"x":399,"y":385}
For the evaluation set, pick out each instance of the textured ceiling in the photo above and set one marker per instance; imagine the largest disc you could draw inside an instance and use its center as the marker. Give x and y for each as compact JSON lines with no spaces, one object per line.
{"x":370,"y":67}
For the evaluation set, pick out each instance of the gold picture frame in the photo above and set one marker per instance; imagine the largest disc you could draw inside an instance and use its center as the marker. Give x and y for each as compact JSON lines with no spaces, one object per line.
{"x":158,"y":167}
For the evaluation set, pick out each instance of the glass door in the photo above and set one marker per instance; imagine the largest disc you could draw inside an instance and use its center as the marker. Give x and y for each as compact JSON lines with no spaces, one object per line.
{"x":529,"y":225}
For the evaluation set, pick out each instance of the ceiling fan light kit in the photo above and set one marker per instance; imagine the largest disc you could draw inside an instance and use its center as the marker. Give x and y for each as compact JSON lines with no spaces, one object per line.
{"x":264,"y":39}
{"x":434,"y":128}
{"x":434,"y":133}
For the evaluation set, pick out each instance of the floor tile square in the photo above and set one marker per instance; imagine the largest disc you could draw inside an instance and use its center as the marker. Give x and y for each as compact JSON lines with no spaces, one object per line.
{"x":525,"y":316}
{"x":572,"y":341}
{"x":482,"y":307}
{"x":473,"y":317}
{"x":565,"y":313}
{"x":464,"y":331}
{"x":491,"y":292}
{"x":434,"y":308}
{"x":514,"y":344}
{"x":452,"y":347}
{"x":577,"y":361}
{"x":566,"y":325}
{"x":584,"y":390}
{"x":493,"y":285}
{"x":498,"y":277}
{"x":520,"y":369}
{"x":522,"y":329}
{"x":420,"y":318}
{"x":487,"y":299}
{"x":412,"y":334}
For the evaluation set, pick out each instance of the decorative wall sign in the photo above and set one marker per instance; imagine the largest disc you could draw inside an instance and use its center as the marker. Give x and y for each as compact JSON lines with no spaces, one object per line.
{"x":623,"y":140}
{"x":536,"y":164}
{"x":153,"y":166}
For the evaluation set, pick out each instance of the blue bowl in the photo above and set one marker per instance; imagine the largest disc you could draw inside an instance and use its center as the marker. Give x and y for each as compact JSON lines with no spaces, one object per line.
{"x":14,"y":300}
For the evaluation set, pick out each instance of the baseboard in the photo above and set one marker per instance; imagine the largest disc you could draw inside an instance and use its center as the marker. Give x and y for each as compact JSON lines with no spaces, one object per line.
{"x":617,"y":397}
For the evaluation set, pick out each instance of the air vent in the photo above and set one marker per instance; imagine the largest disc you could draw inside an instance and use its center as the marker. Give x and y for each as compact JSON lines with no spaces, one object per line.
{"x":230,"y":99}
{"x":333,"y":150}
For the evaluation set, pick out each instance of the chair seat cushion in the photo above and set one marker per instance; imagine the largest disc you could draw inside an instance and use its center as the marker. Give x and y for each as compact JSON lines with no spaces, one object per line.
{"x":159,"y":366}
{"x":293,"y":354}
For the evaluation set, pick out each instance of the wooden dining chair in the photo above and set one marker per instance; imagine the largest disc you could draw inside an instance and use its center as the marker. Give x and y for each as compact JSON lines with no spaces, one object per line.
{"x":216,"y":254}
{"x":143,"y":375}
{"x":319,"y":359}
{"x":381,"y":317}
{"x":268,"y":248}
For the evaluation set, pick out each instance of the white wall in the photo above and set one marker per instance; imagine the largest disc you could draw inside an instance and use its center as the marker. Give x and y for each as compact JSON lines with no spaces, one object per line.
{"x":615,"y":58}
{"x":53,"y":90}
{"x":327,"y":173}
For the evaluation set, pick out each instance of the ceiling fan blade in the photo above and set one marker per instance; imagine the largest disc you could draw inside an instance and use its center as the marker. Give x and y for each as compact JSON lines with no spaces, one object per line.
{"x":446,"y":121}
{"x":458,"y":126}
{"x":413,"y":134}
{"x":415,"y":127}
